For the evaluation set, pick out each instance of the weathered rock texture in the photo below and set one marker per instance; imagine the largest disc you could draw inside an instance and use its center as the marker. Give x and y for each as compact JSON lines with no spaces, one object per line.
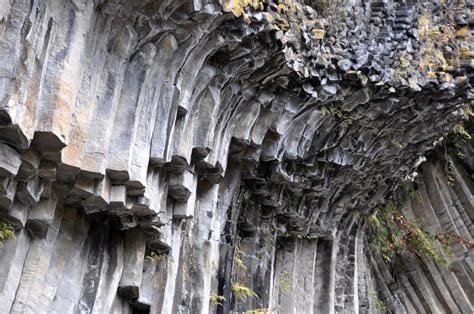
{"x":150,"y":148}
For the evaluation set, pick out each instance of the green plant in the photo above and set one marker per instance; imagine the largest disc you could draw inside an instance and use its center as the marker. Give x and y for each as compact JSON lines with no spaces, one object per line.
{"x":242,"y":292}
{"x":154,"y":257}
{"x":451,"y":178}
{"x":447,"y":239}
{"x":256,"y":311}
{"x":343,"y":13}
{"x":6,"y":232}
{"x":311,"y":236}
{"x":284,"y":283}
{"x":394,"y":236}
{"x":459,"y":129}
{"x":403,"y":61}
{"x":217,"y":299}
{"x":337,"y":112}
{"x":238,"y":258}
{"x":414,"y":195}
{"x":324,"y":110}
{"x":379,"y":304}
{"x":434,"y":33}
{"x":330,"y":111}
{"x":468,"y":112}
{"x":397,"y":144}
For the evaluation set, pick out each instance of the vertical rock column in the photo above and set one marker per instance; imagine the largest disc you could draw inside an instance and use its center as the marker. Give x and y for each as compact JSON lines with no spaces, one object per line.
{"x":134,"y":254}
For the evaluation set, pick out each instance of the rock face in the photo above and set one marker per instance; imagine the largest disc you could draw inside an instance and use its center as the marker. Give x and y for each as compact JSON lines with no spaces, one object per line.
{"x":157,"y":155}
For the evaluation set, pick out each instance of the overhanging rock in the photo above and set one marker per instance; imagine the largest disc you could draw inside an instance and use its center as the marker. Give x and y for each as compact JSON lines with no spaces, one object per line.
{"x":157,"y":155}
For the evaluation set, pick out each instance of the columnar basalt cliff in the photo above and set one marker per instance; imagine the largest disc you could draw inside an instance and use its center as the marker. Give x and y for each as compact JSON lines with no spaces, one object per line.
{"x":178,"y":156}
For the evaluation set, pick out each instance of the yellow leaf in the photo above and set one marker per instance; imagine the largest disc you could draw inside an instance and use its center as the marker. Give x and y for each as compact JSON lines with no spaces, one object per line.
{"x":238,"y":11}
{"x":468,"y":54}
{"x":319,"y":33}
{"x":463,"y":31}
{"x":281,"y":8}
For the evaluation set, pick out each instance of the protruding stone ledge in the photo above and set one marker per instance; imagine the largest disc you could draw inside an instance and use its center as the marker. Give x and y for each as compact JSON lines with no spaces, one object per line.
{"x":118,"y":176}
{"x":17,"y":215}
{"x":30,"y":161}
{"x":157,"y":245}
{"x":30,"y":192}
{"x":41,"y":216}
{"x":47,"y":142}
{"x":176,"y":165}
{"x":101,"y":196}
{"x":180,"y":186}
{"x":9,"y":161}
{"x":12,"y":135}
{"x":7,"y":192}
{"x":185,"y":210}
{"x":118,"y":196}
{"x":141,"y":206}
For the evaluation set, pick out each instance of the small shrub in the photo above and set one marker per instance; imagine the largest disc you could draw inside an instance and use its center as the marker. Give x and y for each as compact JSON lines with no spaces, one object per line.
{"x":415,"y":196}
{"x":324,"y":110}
{"x":447,"y":239}
{"x":379,"y":304}
{"x":217,"y":299}
{"x":238,"y":258}
{"x":397,"y":145}
{"x":154,"y":257}
{"x":285,"y":283}
{"x":242,"y":292}
{"x":459,"y":129}
{"x":6,"y":232}
{"x":394,"y":236}
{"x":468,"y":112}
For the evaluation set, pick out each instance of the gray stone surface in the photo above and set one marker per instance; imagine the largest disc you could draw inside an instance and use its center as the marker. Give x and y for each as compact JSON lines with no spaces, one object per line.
{"x":155,"y":153}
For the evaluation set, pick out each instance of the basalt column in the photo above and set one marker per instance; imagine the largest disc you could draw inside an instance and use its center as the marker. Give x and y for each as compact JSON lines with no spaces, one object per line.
{"x":178,"y":156}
